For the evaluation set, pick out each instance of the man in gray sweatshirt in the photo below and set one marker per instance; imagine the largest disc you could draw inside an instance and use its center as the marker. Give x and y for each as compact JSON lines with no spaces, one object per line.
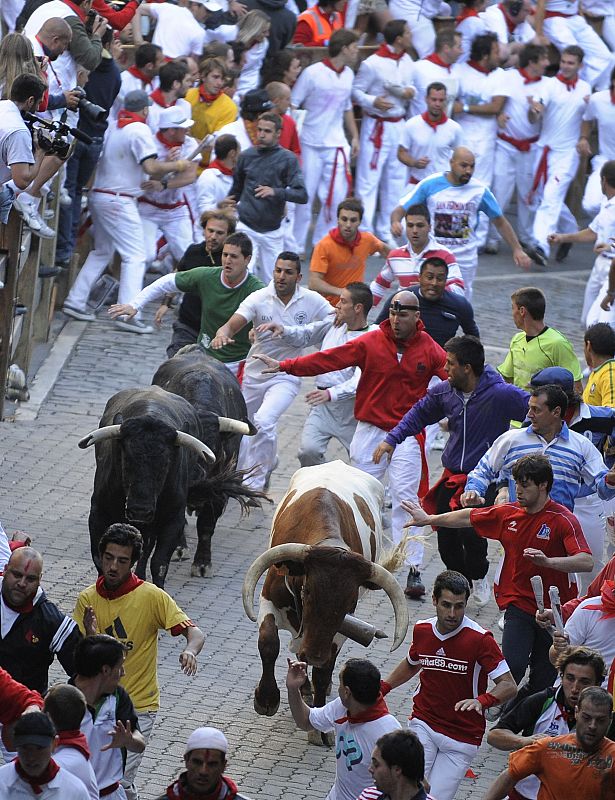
{"x":265,"y":178}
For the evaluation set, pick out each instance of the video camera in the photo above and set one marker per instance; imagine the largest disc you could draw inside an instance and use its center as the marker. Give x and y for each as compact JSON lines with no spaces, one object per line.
{"x":52,"y":135}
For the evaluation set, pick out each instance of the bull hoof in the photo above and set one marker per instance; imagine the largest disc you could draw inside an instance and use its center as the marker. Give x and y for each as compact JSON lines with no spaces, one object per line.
{"x":201,"y":571}
{"x":268,"y":710}
{"x":321,"y":739}
{"x":178,"y":555}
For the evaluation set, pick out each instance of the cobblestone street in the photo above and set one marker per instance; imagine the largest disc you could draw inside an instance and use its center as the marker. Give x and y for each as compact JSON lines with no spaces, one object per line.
{"x":45,"y":487}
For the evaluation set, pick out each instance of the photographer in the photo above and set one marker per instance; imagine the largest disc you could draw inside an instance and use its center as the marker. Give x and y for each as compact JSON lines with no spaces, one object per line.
{"x":19,"y":162}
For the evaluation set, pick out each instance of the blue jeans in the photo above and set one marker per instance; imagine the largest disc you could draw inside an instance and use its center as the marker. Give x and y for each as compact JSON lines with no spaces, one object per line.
{"x":7,"y":195}
{"x":79,"y":169}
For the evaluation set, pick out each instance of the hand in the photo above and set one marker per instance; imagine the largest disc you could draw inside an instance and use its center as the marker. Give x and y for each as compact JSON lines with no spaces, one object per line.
{"x":238,"y":9}
{"x":583,"y":148}
{"x":317,"y":397}
{"x":419,"y":518}
{"x":90,"y":623}
{"x":121,"y":736}
{"x":72,"y":99}
{"x":535,"y":106}
{"x":99,"y":27}
{"x":607,"y":302}
{"x":457,"y":107}
{"x":502,"y":119}
{"x":408,"y":93}
{"x":521,"y":258}
{"x":560,"y":642}
{"x":536,"y":557}
{"x":187,"y":660}
{"x":228,"y":202}
{"x":296,"y":675}
{"x":422,"y":162}
{"x":382,"y":104}
{"x":503,"y":496}
{"x":601,"y":247}
{"x":160,"y":314}
{"x":382,"y":449}
{"x":122,"y":310}
{"x":469,"y":705}
{"x":263,"y":191}
{"x":220,"y":340}
{"x":152,"y":185}
{"x":270,"y":327}
{"x":174,"y":154}
{"x":271,"y":365}
{"x":556,"y":238}
{"x":610,"y":476}
{"x":471,"y":499}
{"x":544,"y":619}
{"x":396,"y":229}
{"x":354,"y":147}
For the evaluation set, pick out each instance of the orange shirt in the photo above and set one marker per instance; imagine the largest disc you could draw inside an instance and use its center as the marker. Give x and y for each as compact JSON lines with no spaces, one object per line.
{"x":565,"y":770}
{"x":339,"y":264}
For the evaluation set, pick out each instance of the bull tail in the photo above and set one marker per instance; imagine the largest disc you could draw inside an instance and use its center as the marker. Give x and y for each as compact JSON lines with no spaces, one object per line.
{"x":226,"y":482}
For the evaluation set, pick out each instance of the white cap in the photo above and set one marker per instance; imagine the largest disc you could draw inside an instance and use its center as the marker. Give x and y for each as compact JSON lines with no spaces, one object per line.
{"x":206,"y":739}
{"x":174,"y":117}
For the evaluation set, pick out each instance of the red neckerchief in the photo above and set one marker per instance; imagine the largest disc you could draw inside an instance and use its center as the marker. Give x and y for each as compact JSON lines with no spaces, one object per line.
{"x":208,"y":98}
{"x":136,"y":72}
{"x":49,"y":774}
{"x":161,"y":138}
{"x":337,"y":237}
{"x":467,"y":12}
{"x":527,"y":78}
{"x":607,"y":600}
{"x":435,"y":59}
{"x":511,"y":24}
{"x":567,"y":714}
{"x":74,"y":739}
{"x":129,"y":585}
{"x":569,"y":83}
{"x":128,"y":117}
{"x":216,"y":164}
{"x":385,"y":52}
{"x":327,"y":63}
{"x":77,"y":9}
{"x":378,"y":710}
{"x":434,"y":123}
{"x":179,"y":790}
{"x":478,"y":67}
{"x":158,"y":98}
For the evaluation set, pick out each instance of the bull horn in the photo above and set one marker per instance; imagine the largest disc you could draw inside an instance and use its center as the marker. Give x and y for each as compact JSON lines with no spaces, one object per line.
{"x":281,"y":552}
{"x":383,"y":578}
{"x":195,"y":444}
{"x":99,"y":435}
{"x":229,"y":425}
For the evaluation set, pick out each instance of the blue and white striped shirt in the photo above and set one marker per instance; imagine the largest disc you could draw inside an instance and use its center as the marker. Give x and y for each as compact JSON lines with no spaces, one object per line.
{"x":574,"y":459}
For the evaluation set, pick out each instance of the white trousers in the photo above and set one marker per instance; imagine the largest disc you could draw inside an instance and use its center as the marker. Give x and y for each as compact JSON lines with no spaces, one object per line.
{"x":597,"y":285}
{"x":552,"y":213}
{"x":592,"y":196}
{"x":133,"y":760}
{"x":325,"y":422}
{"x":380,"y":177}
{"x":590,"y":513}
{"x":117,"y":227}
{"x":404,"y":474}
{"x":266,"y":249}
{"x":266,"y":401}
{"x":484,"y":153}
{"x":512,"y":170}
{"x":564,"y":31}
{"x":446,"y":759}
{"x":324,"y":171}
{"x":175,"y":224}
{"x":288,"y":227}
{"x":468,"y":264}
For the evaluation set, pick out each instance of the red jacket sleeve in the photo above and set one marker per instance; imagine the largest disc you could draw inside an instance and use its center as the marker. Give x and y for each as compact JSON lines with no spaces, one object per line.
{"x":117,"y":19}
{"x":351,"y":354}
{"x":303,"y":34}
{"x":15,"y":698}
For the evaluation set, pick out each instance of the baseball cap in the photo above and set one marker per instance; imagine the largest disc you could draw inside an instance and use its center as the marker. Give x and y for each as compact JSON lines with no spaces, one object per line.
{"x":174,"y":117}
{"x":34,"y":728}
{"x":206,"y":739}
{"x":136,"y":100}
{"x":554,"y":375}
{"x":256,"y":101}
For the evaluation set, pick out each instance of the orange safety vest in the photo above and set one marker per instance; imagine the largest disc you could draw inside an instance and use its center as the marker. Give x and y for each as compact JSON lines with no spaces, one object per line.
{"x":320,"y":26}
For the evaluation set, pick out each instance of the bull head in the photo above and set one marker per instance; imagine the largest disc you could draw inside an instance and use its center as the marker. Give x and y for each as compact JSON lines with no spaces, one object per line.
{"x":114,"y":432}
{"x":378,"y":578}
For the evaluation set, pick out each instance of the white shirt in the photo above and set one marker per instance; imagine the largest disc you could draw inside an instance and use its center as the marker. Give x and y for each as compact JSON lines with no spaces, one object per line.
{"x":265,"y":306}
{"x":354,"y":743}
{"x":478,"y":88}
{"x":420,"y":139}
{"x":601,"y":109}
{"x":413,"y":9}
{"x":564,"y":109}
{"x":603,"y":225}
{"x":426,"y":72}
{"x":65,"y":65}
{"x":15,"y":140}
{"x":325,"y":94}
{"x":177,"y":31}
{"x":119,"y":168}
{"x":567,"y":7}
{"x":238,"y":130}
{"x":599,"y":8}
{"x":494,"y":19}
{"x":517,"y":106}
{"x":71,"y":760}
{"x":63,"y":787}
{"x":211,"y":187}
{"x":469,"y":28}
{"x":132,"y":83}
{"x":369,"y":83}
{"x":168,"y":196}
{"x":153,"y":113}
{"x":249,"y":77}
{"x":588,"y":628}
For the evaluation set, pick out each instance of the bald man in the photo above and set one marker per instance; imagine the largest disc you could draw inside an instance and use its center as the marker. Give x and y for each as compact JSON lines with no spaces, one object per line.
{"x":397,"y":361}
{"x":32,"y":629}
{"x":454,"y":199}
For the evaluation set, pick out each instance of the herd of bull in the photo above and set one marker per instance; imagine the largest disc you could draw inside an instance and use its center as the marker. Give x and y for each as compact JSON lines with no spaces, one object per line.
{"x":173,"y":447}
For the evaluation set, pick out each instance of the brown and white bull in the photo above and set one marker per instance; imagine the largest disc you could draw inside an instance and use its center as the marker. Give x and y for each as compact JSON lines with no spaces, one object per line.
{"x":326,"y":538}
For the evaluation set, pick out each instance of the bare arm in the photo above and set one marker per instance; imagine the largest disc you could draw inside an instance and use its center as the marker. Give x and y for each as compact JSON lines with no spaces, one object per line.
{"x":158,"y":169}
{"x":194,"y":644}
{"x":296,"y":677}
{"x":397,"y":216}
{"x":505,"y":689}
{"x":586,"y":236}
{"x":224,"y":335}
{"x":318,"y":284}
{"x":490,"y":109}
{"x":503,"y":739}
{"x":510,"y":237}
{"x":539,"y":16}
{"x":402,"y":673}
{"x":451,"y":519}
{"x":351,"y":130}
{"x":23,"y":174}
{"x":502,"y":786}
{"x":580,"y":562}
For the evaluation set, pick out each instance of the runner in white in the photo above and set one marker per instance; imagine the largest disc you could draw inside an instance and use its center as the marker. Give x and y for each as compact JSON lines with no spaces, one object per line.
{"x":178,"y":30}
{"x":508,"y":20}
{"x":383,"y":89}
{"x":600,"y":112}
{"x":214,"y":183}
{"x":174,"y":82}
{"x":436,"y":67}
{"x":419,"y":15}
{"x":469,"y":24}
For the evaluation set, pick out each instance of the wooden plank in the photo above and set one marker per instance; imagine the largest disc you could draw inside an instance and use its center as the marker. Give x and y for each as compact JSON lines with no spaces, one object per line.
{"x":9,"y":254}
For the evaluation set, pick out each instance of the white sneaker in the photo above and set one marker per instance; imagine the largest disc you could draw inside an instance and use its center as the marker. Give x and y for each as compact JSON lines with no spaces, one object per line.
{"x":501,"y":622}
{"x":65,"y":199}
{"x":133,"y":326}
{"x":481,"y":591}
{"x":440,"y":440}
{"x":27,"y":206}
{"x":75,"y":313}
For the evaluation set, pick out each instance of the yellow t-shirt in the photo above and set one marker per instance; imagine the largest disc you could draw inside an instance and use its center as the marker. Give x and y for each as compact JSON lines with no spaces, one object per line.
{"x":135,"y":619}
{"x":210,"y":117}
{"x":600,"y":388}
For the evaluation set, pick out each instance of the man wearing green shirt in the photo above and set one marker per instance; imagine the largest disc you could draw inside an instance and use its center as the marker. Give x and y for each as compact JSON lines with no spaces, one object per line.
{"x":221,"y":290}
{"x":537,"y":345}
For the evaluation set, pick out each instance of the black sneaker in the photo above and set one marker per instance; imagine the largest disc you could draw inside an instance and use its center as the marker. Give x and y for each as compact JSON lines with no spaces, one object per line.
{"x":561,"y":254}
{"x":537,"y":254}
{"x":415,"y":587}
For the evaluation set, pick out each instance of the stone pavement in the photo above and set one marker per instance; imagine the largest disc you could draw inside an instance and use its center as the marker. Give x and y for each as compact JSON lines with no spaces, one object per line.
{"x":45,"y":485}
